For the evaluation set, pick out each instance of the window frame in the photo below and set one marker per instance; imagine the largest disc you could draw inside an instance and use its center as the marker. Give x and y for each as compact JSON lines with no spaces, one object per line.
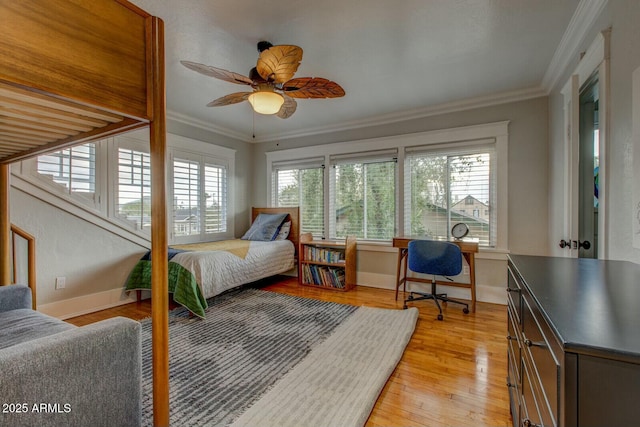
{"x":496,"y":131}
{"x":298,"y":165}
{"x":453,"y":150}
{"x":364,"y":159}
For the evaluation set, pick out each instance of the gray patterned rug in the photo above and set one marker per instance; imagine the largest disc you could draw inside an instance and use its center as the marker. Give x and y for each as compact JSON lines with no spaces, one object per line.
{"x":253,"y":343}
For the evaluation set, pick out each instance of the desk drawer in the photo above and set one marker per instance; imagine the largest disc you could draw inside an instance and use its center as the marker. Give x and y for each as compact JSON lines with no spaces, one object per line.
{"x":545,"y":369}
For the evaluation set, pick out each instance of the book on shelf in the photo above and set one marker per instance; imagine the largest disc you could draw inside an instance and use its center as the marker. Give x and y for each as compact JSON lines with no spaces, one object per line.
{"x":327,"y":255}
{"x":323,"y":276}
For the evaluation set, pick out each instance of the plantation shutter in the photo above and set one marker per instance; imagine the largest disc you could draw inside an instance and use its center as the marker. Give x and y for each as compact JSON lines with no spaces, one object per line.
{"x":134,"y":187}
{"x":215,"y":187}
{"x":186,"y":197}
{"x":73,"y":168}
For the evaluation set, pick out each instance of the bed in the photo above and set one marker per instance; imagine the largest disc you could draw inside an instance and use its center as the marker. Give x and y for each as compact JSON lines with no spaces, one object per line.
{"x":201,"y":271}
{"x":74,"y":71}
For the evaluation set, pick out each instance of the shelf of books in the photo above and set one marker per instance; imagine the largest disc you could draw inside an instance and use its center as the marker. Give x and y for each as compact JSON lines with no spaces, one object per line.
{"x":327,"y":265}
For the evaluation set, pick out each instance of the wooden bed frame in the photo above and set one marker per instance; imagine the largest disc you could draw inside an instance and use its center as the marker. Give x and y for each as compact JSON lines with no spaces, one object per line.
{"x":62,"y":85}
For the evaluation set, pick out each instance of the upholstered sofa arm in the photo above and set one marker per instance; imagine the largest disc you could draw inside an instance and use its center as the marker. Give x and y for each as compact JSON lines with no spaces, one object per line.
{"x":13,"y":297}
{"x":87,"y":376}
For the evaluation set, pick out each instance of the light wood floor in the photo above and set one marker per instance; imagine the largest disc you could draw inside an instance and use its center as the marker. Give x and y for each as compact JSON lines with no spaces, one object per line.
{"x":453,"y":372}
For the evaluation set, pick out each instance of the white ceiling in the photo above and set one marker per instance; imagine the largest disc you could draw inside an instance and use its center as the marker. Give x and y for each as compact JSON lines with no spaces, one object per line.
{"x":392,"y":57}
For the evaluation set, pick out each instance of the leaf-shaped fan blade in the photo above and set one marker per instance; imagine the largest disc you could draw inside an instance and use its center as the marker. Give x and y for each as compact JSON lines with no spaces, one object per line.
{"x":288,"y":108}
{"x":232,"y":98}
{"x":279,"y":63}
{"x":218,"y":73}
{"x":312,"y":87}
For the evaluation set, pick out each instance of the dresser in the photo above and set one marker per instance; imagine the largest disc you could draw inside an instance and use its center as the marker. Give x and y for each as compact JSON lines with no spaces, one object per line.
{"x":573,"y":342}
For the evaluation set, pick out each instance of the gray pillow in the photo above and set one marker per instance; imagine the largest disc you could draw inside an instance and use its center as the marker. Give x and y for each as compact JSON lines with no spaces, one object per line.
{"x":265,"y":227}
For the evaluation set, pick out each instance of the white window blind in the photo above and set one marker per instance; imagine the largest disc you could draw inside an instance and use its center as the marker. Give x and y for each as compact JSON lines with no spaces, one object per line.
{"x":443,"y":188}
{"x":134,"y":188}
{"x":73,"y":168}
{"x":363,"y":195}
{"x":301,"y":183}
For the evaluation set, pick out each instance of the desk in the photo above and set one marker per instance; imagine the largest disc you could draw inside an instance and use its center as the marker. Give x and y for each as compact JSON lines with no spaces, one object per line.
{"x":468,"y":249}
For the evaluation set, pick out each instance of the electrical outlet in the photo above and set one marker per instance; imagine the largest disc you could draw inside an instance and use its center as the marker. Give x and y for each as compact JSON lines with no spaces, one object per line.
{"x":465,"y":270}
{"x":61,"y":282}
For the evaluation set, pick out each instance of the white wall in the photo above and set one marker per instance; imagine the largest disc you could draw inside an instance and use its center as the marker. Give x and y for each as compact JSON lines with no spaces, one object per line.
{"x":94,"y":262}
{"x":527,"y":187}
{"x":622,"y":17}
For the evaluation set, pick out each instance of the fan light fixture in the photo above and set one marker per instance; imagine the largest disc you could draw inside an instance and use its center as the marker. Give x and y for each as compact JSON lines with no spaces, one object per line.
{"x":266,"y":102}
{"x":274,"y":90}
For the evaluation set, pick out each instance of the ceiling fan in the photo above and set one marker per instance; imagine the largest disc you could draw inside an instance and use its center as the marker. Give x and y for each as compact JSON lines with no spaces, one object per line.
{"x":274,"y":87}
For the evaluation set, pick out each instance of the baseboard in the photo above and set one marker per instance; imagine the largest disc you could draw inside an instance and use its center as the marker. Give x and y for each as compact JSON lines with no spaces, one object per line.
{"x":484,"y":293}
{"x":85,"y":304}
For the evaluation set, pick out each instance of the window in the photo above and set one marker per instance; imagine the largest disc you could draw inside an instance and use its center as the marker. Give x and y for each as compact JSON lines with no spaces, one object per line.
{"x":363,"y":196}
{"x":108,"y":183}
{"x":73,"y":169}
{"x":438,"y":187}
{"x":414,"y":184}
{"x":301,"y":184}
{"x":199,"y":197}
{"x":134,"y":187}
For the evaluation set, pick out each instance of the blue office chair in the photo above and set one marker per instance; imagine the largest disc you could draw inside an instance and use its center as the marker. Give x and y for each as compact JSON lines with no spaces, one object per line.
{"x":437,"y":258}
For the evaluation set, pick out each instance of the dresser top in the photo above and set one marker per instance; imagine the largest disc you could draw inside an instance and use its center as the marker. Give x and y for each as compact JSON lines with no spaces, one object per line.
{"x":592,"y":305}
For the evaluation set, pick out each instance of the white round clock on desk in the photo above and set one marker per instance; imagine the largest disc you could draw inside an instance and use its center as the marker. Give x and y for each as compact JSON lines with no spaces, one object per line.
{"x":459,"y":230}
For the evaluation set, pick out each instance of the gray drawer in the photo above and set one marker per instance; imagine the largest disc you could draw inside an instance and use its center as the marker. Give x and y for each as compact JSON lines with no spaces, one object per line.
{"x":545,"y":368}
{"x":515,"y":344}
{"x":529,"y":405}
{"x":514,"y":291}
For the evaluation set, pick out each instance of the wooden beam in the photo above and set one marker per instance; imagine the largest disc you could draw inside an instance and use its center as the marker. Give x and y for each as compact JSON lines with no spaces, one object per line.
{"x":159,"y":241}
{"x":5,"y":227}
{"x":21,"y":153}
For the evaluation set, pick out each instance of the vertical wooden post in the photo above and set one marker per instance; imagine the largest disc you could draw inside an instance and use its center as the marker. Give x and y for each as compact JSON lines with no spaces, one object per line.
{"x":159,"y":241}
{"x":5,"y":227}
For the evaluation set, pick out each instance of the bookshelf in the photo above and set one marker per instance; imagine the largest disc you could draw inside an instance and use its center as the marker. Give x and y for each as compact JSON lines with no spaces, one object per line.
{"x":327,"y":264}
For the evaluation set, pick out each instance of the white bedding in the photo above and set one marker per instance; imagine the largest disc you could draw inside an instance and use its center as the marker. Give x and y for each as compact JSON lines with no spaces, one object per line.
{"x":218,"y":271}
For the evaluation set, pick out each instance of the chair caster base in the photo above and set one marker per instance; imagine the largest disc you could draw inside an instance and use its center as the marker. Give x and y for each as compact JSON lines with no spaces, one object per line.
{"x":465,"y":310}
{"x":440,"y":317}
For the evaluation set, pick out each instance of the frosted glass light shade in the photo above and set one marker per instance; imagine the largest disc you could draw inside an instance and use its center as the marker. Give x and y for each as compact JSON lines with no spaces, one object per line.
{"x":266,"y":102}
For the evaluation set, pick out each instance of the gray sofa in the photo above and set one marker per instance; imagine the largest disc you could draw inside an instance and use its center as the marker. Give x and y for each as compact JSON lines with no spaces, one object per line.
{"x":55,"y":374}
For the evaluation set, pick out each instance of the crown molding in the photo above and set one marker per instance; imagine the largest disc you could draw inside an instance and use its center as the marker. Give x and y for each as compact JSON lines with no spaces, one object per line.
{"x":419,"y":113}
{"x":581,"y":22}
{"x":189,"y":121}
